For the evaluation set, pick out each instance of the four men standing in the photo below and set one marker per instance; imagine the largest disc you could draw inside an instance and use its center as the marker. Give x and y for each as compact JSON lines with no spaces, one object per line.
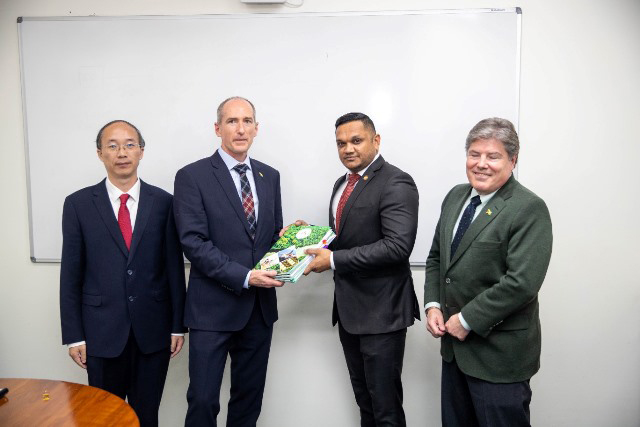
{"x":122,"y":275}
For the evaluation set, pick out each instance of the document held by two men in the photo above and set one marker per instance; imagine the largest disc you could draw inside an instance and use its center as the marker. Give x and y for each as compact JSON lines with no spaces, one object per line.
{"x":287,"y":256}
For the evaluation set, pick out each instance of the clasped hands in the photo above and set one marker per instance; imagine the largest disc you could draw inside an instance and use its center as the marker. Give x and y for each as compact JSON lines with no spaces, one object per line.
{"x":322,"y":257}
{"x":437,"y":327}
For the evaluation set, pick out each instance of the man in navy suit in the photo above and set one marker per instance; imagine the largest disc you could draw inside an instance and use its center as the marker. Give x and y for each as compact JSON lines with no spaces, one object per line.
{"x":122,"y":284}
{"x":228,"y":213}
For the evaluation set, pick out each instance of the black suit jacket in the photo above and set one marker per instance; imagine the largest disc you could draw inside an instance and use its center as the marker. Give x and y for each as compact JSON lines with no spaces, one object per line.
{"x":106,"y":290}
{"x":214,"y":233}
{"x":374,"y":288}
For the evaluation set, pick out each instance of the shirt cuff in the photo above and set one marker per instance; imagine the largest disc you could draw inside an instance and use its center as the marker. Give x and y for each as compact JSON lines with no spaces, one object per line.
{"x":246,"y":280}
{"x":428,"y":305}
{"x":464,"y":322}
{"x":333,"y":266}
{"x":75,"y":344}
{"x":177,"y":335}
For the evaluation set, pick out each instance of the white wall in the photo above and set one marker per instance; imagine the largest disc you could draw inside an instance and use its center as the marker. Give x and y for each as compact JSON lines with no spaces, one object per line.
{"x":580,"y":117}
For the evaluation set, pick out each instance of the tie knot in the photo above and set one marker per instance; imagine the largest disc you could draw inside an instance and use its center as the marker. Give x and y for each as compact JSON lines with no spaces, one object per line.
{"x":475,"y":200}
{"x":124,"y":198}
{"x":241,"y":168}
{"x":353,"y":178}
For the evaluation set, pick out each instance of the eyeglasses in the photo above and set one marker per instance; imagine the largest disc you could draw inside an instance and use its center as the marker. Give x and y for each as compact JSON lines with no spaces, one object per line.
{"x":114,"y":148}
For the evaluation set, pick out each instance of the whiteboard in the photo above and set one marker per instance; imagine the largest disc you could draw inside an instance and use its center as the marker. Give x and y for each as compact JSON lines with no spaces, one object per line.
{"x":424,"y":77}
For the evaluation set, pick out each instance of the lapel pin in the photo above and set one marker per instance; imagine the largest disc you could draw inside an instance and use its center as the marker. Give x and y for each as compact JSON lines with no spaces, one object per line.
{"x":260,"y":173}
{"x":489,"y":212}
{"x":366,"y":177}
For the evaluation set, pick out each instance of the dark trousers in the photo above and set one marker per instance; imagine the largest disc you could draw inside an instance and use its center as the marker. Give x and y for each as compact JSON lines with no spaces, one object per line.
{"x":133,"y":375}
{"x":470,"y":402}
{"x":375,"y":368}
{"x":249,"y":351}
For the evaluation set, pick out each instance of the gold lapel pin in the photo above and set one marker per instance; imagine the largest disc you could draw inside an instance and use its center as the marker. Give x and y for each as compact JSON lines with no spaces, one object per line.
{"x":260,"y":173}
{"x":489,"y":212}
{"x":366,"y":177}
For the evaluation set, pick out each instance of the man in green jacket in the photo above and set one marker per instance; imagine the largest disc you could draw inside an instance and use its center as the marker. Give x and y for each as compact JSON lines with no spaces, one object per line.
{"x":489,"y":257}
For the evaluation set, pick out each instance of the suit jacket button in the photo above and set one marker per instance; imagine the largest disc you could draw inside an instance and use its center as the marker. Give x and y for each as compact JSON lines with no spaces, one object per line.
{"x":447,"y":280}
{"x":131,"y":298}
{"x":129,"y":272}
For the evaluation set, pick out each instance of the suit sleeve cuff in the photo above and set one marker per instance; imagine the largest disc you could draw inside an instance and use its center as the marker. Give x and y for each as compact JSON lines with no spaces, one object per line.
{"x":246,"y":280}
{"x":75,"y":344}
{"x":464,"y":322}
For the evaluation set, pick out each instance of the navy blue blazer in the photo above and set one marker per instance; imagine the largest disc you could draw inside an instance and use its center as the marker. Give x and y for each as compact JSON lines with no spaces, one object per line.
{"x":106,"y":290}
{"x":214,"y":233}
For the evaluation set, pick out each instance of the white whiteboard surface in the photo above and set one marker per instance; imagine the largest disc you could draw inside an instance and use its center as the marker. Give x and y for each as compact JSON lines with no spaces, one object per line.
{"x":424,"y":77}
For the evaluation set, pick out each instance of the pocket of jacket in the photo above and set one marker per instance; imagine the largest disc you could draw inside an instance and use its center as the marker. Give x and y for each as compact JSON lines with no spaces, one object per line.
{"x":160,"y":295}
{"x":93,"y":300}
{"x":486,"y":245}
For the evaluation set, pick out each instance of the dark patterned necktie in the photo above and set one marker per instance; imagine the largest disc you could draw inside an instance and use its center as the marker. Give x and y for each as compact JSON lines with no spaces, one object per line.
{"x":353,"y":180}
{"x":465,"y":222}
{"x":247,"y":197}
{"x":124,"y":220}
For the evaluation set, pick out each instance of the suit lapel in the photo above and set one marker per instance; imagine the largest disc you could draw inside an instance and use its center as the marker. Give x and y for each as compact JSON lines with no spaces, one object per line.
{"x":223,"y":176}
{"x":258,"y":177}
{"x":490,"y":212}
{"x":103,"y":205}
{"x":339,"y":181}
{"x":451,"y":219}
{"x":145,"y":207}
{"x":360,"y":186}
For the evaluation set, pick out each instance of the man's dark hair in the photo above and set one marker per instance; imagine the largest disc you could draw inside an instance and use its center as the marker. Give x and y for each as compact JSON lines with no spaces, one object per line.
{"x":99,"y":137}
{"x":352,"y":117}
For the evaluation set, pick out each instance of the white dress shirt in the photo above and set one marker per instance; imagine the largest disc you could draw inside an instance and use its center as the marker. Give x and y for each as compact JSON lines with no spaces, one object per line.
{"x":484,"y":199}
{"x":230,"y":162}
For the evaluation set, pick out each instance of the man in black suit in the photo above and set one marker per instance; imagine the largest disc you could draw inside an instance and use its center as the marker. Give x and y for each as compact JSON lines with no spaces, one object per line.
{"x":122,"y":277}
{"x":228,"y":212}
{"x":374,"y":211}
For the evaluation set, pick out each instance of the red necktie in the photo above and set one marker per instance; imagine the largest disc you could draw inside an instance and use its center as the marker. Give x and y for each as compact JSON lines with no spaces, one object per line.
{"x":124,"y":220}
{"x":353,"y":180}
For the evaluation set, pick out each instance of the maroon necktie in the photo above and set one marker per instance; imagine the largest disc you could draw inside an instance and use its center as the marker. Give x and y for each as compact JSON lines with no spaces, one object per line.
{"x":353,"y":180}
{"x":124,"y":220}
{"x":247,"y":197}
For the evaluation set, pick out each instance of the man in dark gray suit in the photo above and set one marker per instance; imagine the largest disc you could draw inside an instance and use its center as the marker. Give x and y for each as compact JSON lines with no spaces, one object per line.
{"x":488,"y":259}
{"x":374,"y":211}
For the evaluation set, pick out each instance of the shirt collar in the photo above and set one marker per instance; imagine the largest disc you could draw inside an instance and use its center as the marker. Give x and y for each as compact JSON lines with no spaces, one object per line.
{"x":361,"y":172}
{"x":483,"y":198}
{"x":115,"y":193}
{"x":230,"y":162}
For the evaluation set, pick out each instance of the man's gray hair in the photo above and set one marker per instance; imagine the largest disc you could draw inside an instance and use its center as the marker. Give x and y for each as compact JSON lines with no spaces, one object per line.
{"x":221,"y":107}
{"x":500,"y":129}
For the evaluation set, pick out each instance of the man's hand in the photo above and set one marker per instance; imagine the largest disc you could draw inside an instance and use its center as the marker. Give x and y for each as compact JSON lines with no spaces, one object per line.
{"x":455,"y":328}
{"x":298,"y":223}
{"x":320,"y":263}
{"x":435,"y":322}
{"x":264,"y":279}
{"x":79,"y":355}
{"x":176,"y":345}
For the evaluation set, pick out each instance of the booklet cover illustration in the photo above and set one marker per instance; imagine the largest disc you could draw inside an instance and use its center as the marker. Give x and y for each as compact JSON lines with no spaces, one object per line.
{"x":287,"y":255}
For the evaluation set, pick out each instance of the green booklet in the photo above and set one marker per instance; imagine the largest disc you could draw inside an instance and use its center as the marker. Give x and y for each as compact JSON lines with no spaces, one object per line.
{"x":287,"y":255}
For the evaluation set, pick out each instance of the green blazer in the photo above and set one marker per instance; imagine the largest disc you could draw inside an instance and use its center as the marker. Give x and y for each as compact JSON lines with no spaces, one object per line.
{"x":493,"y":279}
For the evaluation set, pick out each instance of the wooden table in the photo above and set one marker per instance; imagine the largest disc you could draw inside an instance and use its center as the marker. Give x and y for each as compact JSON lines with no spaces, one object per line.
{"x":68,"y":404}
